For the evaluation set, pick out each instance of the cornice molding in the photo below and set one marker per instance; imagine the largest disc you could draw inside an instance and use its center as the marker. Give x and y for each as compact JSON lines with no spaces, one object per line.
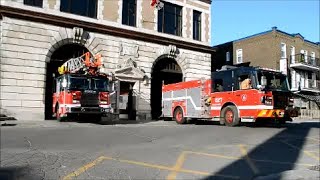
{"x":206,"y":1}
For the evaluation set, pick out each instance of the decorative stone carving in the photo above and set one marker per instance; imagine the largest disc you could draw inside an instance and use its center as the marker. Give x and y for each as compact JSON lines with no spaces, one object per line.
{"x":80,"y":36}
{"x":128,"y":63}
{"x":171,"y":51}
{"x":129,"y":50}
{"x":128,"y":71}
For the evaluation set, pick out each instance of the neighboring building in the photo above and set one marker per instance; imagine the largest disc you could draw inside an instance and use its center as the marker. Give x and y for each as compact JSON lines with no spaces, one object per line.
{"x":275,"y":49}
{"x":142,"y":45}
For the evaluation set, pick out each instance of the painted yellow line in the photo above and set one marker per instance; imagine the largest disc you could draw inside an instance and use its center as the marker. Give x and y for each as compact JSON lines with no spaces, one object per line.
{"x":313,"y":151}
{"x":314,"y":139}
{"x":305,"y":152}
{"x":144,"y":164}
{"x":177,"y":167}
{"x":207,"y":174}
{"x":161,"y":167}
{"x":248,"y":159}
{"x":279,"y":162}
{"x":84,"y":168}
{"x":213,"y":155}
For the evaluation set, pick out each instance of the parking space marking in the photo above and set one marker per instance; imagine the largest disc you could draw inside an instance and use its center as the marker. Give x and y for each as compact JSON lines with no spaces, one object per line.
{"x":237,"y":158}
{"x":213,"y":155}
{"x":304,"y":151}
{"x":84,"y":168}
{"x":244,"y":153}
{"x":177,"y":166}
{"x":279,"y":162}
{"x":88,"y":166}
{"x":169,"y":168}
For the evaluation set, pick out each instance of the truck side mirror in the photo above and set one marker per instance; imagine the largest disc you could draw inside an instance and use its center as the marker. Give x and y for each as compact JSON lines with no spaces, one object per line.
{"x":64,"y":83}
{"x":263,"y":81}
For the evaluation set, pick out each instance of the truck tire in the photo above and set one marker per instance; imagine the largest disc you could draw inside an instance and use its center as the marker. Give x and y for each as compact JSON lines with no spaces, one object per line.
{"x":178,"y":116}
{"x":230,"y":116}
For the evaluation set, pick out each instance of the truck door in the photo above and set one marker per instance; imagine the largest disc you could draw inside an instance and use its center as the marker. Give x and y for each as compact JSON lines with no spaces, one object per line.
{"x":245,"y":94}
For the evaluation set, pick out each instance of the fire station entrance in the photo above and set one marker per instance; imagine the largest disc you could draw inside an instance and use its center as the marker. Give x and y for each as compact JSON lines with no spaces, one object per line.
{"x":60,"y":56}
{"x":165,"y":70}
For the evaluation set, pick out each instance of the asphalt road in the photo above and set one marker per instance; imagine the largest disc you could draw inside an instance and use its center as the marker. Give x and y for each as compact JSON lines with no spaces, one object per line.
{"x":155,"y":150}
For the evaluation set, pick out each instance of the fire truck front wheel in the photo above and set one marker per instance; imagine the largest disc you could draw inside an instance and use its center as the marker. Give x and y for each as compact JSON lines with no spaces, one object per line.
{"x":230,"y":116}
{"x":178,"y":116}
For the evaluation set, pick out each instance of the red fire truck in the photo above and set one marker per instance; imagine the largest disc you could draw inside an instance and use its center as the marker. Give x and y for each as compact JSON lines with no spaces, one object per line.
{"x":232,"y":95}
{"x":81,"y":89}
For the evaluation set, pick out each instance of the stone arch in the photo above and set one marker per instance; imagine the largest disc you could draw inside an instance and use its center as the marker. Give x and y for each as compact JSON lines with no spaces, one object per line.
{"x":164,"y":69}
{"x":70,"y":36}
{"x":173,"y":53}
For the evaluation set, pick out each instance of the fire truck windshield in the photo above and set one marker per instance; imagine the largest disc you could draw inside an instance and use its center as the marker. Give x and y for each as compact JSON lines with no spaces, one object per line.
{"x":78,"y":83}
{"x":273,"y":81}
{"x":100,"y":84}
{"x":83,"y":83}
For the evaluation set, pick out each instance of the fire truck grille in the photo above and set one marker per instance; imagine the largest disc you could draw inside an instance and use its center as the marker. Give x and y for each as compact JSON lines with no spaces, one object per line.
{"x":89,"y":98}
{"x":280,"y":101}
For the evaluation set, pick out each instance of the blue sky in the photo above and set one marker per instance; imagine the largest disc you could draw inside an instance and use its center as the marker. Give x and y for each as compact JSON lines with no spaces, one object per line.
{"x":235,"y":19}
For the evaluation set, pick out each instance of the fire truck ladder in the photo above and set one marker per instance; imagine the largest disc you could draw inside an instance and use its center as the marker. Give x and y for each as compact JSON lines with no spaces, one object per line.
{"x":85,"y":62}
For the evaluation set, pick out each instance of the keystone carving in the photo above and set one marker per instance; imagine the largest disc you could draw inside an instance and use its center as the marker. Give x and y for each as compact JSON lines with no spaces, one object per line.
{"x":80,"y":36}
{"x":172,"y":51}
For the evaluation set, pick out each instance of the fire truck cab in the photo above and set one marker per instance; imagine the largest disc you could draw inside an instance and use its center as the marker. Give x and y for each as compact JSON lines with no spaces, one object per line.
{"x":232,"y":95}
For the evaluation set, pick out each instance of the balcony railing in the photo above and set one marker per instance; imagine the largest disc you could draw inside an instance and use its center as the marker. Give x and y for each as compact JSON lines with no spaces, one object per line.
{"x":307,"y":60}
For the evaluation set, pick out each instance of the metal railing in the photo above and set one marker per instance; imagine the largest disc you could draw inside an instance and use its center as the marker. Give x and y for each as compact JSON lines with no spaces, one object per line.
{"x":307,"y":60}
{"x":309,"y":113}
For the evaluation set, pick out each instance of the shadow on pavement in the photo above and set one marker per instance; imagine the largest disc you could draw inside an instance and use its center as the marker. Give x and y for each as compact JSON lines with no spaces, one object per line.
{"x":17,"y":173}
{"x":286,"y":147}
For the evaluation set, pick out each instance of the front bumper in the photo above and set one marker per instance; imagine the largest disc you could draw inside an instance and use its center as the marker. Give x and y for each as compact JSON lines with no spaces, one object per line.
{"x":271,"y":113}
{"x":88,"y":110}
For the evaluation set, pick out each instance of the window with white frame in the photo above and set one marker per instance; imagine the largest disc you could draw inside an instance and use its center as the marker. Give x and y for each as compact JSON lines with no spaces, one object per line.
{"x":283,"y":51}
{"x":313,"y":58}
{"x":306,"y":55}
{"x":292,"y":53}
{"x":227,"y":56}
{"x":239,"y":56}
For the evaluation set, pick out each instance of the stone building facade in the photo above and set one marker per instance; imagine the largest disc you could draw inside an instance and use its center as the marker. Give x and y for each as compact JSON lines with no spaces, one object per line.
{"x":290,"y":53}
{"x":37,"y":36}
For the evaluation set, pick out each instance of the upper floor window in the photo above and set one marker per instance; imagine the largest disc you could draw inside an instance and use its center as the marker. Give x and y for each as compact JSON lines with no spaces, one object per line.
{"x":283,"y":50}
{"x":227,"y":56}
{"x":80,"y":7}
{"x":239,"y":56}
{"x":170,"y":19}
{"x":292,"y":54}
{"x":196,"y":25}
{"x":129,"y":11}
{"x":37,"y":3}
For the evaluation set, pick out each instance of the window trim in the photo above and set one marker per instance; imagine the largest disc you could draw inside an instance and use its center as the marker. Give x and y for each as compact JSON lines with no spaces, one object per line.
{"x":135,"y":14}
{"x":228,"y":56}
{"x":69,"y":7}
{"x":199,"y":22}
{"x":284,"y":50}
{"x":33,"y":4}
{"x":239,"y":53}
{"x":179,"y":26}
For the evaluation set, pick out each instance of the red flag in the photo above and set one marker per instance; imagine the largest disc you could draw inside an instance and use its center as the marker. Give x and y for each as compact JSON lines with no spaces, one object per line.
{"x":153,"y":2}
